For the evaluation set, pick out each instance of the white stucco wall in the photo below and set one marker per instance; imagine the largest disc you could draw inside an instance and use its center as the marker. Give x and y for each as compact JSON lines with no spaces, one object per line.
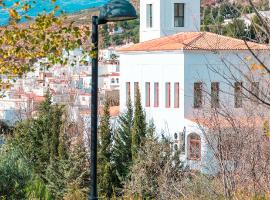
{"x":154,"y":67}
{"x":186,"y":68}
{"x":207,"y":67}
{"x":163,"y":18}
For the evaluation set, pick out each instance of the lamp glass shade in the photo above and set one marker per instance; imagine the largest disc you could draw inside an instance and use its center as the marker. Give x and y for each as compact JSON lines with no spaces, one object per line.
{"x":117,"y":10}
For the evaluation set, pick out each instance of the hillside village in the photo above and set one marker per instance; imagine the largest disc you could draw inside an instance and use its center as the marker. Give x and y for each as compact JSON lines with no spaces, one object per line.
{"x":26,"y":93}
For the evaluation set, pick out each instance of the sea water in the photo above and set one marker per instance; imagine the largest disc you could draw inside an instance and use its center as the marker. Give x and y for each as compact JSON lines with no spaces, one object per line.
{"x":67,"y":6}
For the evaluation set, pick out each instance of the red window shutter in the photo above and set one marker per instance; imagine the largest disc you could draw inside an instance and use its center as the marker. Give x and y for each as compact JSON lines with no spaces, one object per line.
{"x":168,"y":95}
{"x":147,"y":94}
{"x":176,"y":95}
{"x":156,"y":95}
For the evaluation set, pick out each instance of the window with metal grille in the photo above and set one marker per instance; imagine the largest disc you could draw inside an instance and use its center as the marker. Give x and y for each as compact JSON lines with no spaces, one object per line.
{"x":194,"y":147}
{"x":197,"y":95}
{"x":255,"y":92}
{"x":179,"y":15}
{"x":238,"y":98}
{"x":149,"y":15}
{"x":215,"y":95}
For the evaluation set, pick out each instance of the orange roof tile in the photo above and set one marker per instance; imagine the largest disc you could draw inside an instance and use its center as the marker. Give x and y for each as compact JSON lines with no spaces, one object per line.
{"x":114,"y":111}
{"x":194,"y":41}
{"x":39,"y":98}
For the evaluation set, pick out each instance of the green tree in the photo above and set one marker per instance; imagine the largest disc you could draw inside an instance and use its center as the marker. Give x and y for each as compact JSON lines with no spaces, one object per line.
{"x":59,"y":167}
{"x":139,"y":129}
{"x":46,"y":36}
{"x":5,"y":129}
{"x":236,"y":29}
{"x":121,"y":152}
{"x":155,"y":172}
{"x":14,"y":173}
{"x":105,"y":177}
{"x":40,"y":138}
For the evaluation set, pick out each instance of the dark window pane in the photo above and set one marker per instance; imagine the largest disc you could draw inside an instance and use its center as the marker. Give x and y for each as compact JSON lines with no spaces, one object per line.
{"x":238,"y":101}
{"x":198,"y":95}
{"x":194,"y":150}
{"x":255,"y":92}
{"x":149,"y":15}
{"x":215,"y":95}
{"x":179,"y":14}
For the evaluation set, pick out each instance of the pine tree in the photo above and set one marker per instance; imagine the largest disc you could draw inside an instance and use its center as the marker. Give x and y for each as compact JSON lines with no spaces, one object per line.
{"x":105,"y":178}
{"x":121,"y":153}
{"x":40,"y":138}
{"x":139,"y":129}
{"x":43,"y":143}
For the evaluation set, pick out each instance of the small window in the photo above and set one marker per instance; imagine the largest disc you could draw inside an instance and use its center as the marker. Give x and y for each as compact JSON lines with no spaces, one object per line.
{"x":215,"y":95}
{"x":149,"y":15}
{"x":255,"y":92}
{"x":147,"y":94}
{"x":136,"y":89}
{"x":127,"y":91}
{"x":197,"y":95}
{"x":238,"y":101}
{"x":179,"y":15}
{"x":194,"y":147}
{"x":167,"y":95}
{"x":176,"y":95}
{"x":156,"y":95}
{"x":83,"y":98}
{"x":112,"y":80}
{"x":117,"y":80}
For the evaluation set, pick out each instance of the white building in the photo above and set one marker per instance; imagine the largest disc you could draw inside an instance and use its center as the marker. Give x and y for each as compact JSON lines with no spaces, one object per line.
{"x":111,"y":82}
{"x":166,"y":17}
{"x":173,"y":73}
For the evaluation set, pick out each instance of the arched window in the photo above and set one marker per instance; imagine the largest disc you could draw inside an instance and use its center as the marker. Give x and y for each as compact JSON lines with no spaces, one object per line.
{"x":194,"y":147}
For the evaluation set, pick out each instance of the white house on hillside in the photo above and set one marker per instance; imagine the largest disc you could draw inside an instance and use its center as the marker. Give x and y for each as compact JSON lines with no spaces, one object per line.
{"x":172,"y":68}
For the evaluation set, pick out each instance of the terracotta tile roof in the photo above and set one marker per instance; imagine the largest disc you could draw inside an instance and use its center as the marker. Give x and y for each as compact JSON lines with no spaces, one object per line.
{"x":39,"y":98}
{"x":194,"y":41}
{"x":115,"y":74}
{"x":114,"y":111}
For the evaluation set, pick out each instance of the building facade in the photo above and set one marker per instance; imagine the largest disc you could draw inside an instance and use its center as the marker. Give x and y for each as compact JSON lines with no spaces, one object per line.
{"x":181,"y":74}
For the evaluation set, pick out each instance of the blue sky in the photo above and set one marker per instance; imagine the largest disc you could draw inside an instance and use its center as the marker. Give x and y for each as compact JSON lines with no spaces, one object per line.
{"x":69,"y":6}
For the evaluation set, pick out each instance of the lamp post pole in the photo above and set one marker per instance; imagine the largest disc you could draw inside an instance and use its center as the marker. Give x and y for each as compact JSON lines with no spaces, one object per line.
{"x":94,"y":111}
{"x":113,"y":11}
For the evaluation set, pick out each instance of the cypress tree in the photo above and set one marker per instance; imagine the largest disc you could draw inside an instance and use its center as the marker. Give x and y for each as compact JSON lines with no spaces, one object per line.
{"x":139,"y":129}
{"x":41,"y":137}
{"x":105,"y":178}
{"x":122,"y":155}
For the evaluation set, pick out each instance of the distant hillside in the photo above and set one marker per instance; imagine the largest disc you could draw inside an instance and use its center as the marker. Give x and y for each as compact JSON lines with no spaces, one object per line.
{"x":84,"y":17}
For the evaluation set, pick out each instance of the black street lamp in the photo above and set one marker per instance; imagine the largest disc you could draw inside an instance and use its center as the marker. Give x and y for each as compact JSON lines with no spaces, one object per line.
{"x":113,"y":11}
